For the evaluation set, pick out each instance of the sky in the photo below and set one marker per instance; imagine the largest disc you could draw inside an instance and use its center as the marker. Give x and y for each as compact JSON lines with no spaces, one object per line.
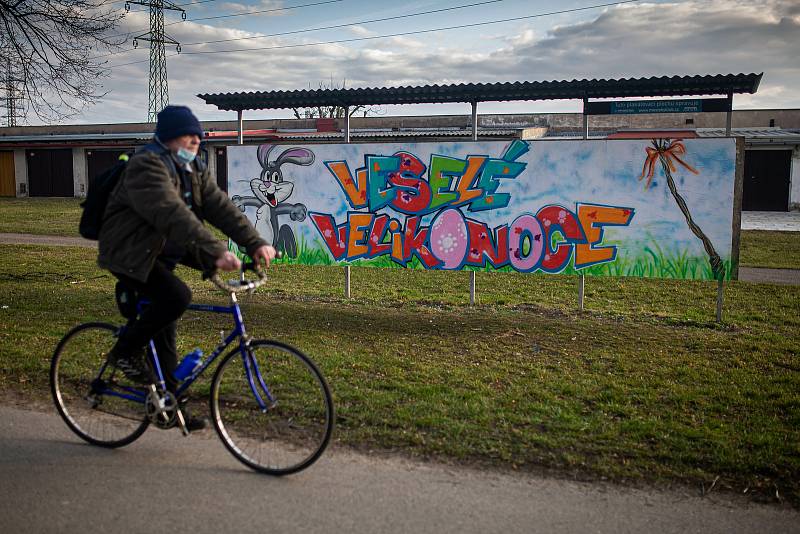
{"x":631,"y":39}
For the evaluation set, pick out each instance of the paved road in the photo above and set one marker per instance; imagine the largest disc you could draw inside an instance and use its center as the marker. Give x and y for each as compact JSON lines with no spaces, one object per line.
{"x":785,"y":221}
{"x":51,"y":482}
{"x":770,"y":276}
{"x":49,"y":240}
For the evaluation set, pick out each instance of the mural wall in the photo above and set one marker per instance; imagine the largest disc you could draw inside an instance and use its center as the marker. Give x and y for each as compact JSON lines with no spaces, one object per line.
{"x":659,"y":208}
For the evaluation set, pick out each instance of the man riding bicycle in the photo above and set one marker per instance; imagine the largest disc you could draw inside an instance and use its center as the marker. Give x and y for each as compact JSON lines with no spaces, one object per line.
{"x":154,"y":221}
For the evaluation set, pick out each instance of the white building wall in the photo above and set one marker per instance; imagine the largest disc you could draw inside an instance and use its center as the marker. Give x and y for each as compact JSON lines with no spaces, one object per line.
{"x":21,"y":173}
{"x":80,"y":183}
{"x":212,"y":162}
{"x":794,"y":187}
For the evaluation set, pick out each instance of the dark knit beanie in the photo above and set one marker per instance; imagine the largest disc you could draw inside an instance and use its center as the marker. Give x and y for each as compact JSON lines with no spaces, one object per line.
{"x":175,"y":121}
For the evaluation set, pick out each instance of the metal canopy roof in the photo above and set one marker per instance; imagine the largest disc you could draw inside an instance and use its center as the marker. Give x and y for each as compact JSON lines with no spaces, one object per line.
{"x":718,"y":84}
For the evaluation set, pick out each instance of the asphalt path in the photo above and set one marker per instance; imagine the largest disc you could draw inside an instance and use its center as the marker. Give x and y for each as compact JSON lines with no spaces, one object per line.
{"x":50,"y":481}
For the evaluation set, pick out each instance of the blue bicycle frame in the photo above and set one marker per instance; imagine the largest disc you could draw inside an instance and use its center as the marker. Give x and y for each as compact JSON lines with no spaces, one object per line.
{"x":254,"y":376}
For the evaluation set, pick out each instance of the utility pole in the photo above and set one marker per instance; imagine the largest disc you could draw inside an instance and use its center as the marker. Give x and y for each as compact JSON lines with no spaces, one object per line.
{"x":11,"y":95}
{"x":159,"y":84}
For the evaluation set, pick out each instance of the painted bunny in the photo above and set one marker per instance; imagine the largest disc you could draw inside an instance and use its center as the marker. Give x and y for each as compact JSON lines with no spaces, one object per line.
{"x":270,"y":192}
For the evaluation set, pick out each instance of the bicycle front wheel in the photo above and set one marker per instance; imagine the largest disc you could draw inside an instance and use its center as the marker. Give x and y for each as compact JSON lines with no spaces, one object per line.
{"x":93,"y":398}
{"x":272,"y":408}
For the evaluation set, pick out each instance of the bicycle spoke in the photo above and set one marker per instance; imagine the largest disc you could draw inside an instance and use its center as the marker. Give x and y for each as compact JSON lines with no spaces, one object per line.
{"x":99,"y":417}
{"x":296,"y":426}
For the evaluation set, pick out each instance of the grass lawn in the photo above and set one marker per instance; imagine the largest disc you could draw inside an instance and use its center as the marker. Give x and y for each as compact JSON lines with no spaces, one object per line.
{"x":643,"y":386}
{"x":778,"y":250}
{"x":43,"y":216}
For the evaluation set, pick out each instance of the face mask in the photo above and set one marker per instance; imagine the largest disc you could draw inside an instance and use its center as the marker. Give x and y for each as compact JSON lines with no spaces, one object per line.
{"x":185,"y":156}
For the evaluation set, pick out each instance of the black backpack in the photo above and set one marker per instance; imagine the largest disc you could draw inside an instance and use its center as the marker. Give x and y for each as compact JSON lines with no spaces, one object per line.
{"x":97,"y":197}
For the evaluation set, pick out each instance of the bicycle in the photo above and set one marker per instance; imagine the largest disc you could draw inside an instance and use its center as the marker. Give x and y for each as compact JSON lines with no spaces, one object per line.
{"x":270,"y":404}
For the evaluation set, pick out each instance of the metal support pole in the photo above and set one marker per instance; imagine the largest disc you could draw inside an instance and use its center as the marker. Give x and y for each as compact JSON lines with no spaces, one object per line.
{"x":347,"y":124}
{"x":719,"y":301}
{"x":240,"y":138}
{"x":729,"y":115}
{"x":474,"y":121}
{"x":472,"y":277}
{"x":585,"y":119}
{"x":347,"y":281}
{"x":581,"y":290}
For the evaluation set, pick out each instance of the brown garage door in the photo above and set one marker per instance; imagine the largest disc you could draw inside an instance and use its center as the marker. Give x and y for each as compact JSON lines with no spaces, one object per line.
{"x":99,"y":161}
{"x":7,"y":184}
{"x":50,"y":173}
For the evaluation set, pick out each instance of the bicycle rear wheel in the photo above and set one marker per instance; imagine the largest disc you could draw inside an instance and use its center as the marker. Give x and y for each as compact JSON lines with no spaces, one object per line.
{"x":290,"y":428}
{"x":89,"y":394}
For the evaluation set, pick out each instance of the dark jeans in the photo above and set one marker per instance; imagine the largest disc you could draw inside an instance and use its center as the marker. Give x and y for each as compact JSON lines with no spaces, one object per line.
{"x":169,"y":297}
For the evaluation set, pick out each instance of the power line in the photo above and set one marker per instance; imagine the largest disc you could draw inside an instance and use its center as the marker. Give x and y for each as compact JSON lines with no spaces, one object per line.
{"x":240,"y":14}
{"x":171,"y":23}
{"x":416,"y":32}
{"x":263,"y":36}
{"x":404,"y":33}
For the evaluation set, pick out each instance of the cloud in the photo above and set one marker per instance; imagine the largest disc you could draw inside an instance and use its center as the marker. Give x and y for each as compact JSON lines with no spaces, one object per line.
{"x":263,"y":5}
{"x":648,"y":39}
{"x":360,"y":31}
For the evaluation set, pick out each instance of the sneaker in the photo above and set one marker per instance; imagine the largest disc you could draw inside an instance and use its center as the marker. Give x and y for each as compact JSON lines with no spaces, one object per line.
{"x":131,"y":363}
{"x":193,"y":424}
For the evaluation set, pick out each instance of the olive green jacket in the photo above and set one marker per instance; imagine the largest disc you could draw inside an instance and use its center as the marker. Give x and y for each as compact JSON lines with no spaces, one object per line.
{"x":145,"y":209}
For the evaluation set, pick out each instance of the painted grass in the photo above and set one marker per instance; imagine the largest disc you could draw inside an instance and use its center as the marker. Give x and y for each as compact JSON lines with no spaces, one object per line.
{"x":641,"y":387}
{"x":655,"y":264}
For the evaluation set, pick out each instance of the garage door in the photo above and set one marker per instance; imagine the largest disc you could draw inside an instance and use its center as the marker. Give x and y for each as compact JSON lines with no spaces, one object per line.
{"x":99,"y":161}
{"x":7,"y":184}
{"x":50,"y":173}
{"x":766,"y":180}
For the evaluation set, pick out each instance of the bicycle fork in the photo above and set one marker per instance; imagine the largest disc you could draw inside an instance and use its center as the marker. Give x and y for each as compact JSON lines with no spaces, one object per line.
{"x":251,"y":369}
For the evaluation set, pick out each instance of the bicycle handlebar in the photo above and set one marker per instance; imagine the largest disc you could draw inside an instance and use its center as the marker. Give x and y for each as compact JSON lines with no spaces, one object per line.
{"x":238,"y":286}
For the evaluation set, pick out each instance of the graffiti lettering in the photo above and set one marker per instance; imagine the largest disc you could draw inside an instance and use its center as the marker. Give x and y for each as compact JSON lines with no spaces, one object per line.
{"x":545,"y":241}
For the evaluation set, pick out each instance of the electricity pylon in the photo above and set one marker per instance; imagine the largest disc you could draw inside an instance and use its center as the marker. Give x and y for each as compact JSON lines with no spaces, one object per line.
{"x":159,"y":84}
{"x":8,"y":86}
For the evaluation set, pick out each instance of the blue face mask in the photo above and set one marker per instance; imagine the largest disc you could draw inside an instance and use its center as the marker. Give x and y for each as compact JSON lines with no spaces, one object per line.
{"x":185,"y":156}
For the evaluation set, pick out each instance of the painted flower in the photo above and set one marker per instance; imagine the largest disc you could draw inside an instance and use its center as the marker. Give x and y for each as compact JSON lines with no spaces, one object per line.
{"x":448,"y":243}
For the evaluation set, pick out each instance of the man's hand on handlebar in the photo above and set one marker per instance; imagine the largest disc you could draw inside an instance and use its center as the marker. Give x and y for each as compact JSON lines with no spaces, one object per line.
{"x":228,"y":262}
{"x":264,"y":255}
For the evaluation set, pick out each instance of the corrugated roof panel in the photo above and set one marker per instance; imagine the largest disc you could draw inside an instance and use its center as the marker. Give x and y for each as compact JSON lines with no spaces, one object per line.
{"x":490,"y":92}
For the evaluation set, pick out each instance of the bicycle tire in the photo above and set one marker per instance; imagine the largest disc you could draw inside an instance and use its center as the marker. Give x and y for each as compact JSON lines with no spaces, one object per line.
{"x":291,"y":427}
{"x":102,"y":420}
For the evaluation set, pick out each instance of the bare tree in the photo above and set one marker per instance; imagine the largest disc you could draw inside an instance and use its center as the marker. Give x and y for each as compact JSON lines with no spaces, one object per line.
{"x":333,"y":112}
{"x":53,"y":51}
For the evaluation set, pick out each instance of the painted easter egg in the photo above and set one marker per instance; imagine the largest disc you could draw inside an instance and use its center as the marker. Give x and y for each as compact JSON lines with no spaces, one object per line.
{"x":448,"y":238}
